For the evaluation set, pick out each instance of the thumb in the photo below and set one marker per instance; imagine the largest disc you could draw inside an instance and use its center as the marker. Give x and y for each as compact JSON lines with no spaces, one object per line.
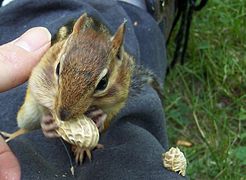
{"x":18,"y":57}
{"x":9,"y":166}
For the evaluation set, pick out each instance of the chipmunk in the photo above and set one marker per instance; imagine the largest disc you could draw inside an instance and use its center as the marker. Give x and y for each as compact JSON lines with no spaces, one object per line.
{"x":85,"y":72}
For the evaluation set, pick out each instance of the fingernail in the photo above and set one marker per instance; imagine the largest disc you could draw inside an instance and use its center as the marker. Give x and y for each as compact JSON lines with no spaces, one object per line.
{"x":34,"y":39}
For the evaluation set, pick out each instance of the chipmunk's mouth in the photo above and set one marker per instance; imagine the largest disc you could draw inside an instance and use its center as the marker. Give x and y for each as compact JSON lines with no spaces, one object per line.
{"x":97,"y":115}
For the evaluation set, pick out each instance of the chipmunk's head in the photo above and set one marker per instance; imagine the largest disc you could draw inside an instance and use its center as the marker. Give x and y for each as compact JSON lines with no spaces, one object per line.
{"x":92,"y":70}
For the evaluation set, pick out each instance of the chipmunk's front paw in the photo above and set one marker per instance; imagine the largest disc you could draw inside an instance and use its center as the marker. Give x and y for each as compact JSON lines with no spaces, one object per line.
{"x":98,"y":116}
{"x":49,"y":126}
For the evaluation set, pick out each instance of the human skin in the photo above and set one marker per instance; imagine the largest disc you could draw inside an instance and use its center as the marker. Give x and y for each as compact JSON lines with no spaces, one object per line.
{"x":17,"y":58}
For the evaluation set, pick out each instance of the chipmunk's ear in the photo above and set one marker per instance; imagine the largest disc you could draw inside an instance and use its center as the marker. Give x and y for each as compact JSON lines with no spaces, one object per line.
{"x":118,"y":38}
{"x":79,"y":23}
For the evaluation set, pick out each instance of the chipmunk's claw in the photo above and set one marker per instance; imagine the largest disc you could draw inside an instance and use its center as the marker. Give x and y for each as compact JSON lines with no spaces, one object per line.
{"x":80,"y":156}
{"x":98,"y":116}
{"x":80,"y":152}
{"x":100,"y":146}
{"x":5,"y":134}
{"x":11,"y":136}
{"x":88,"y":153}
{"x":49,"y":126}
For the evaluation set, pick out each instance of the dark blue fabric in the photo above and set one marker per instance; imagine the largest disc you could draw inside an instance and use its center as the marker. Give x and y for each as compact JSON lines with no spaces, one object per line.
{"x":137,"y":137}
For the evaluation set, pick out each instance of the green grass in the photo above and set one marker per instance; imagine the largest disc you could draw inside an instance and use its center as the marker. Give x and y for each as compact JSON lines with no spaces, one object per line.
{"x":205,"y":99}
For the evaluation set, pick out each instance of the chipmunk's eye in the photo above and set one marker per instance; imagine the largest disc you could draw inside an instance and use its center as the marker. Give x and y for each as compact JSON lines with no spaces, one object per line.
{"x":58,"y":69}
{"x":102,"y":83}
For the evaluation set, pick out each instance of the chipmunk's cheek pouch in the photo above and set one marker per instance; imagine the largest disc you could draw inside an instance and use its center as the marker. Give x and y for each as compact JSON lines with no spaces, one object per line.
{"x":98,"y":116}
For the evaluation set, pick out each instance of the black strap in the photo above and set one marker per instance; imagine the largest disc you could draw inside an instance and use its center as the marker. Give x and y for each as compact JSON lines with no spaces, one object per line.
{"x":184,"y":12}
{"x":1,"y":1}
{"x":199,"y":6}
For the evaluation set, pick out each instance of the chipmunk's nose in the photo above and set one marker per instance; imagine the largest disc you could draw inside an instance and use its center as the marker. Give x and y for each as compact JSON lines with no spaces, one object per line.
{"x":64,"y":113}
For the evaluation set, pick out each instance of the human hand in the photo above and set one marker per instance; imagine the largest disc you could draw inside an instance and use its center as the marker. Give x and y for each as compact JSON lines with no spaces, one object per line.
{"x":9,"y":166}
{"x":17,"y":58}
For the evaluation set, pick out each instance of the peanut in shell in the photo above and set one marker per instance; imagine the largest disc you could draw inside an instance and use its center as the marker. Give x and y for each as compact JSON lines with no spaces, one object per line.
{"x":81,"y":132}
{"x":175,"y":160}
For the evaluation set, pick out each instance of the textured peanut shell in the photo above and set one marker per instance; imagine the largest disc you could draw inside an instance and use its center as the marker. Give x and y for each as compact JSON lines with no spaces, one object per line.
{"x":175,"y":160}
{"x":81,"y":132}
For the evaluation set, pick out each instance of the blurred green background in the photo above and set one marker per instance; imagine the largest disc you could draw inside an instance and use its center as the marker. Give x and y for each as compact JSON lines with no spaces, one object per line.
{"x":205,"y":99}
